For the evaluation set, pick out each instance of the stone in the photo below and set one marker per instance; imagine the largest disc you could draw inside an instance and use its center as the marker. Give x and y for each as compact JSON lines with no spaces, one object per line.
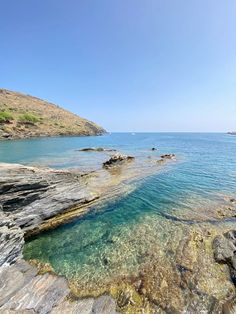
{"x":30,"y":195}
{"x":101,"y":305}
{"x":224,"y":247}
{"x":14,"y":278}
{"x":233,"y":200}
{"x":23,"y":291}
{"x":117,"y":159}
{"x":96,"y":149}
{"x":11,"y":240}
{"x":41,"y":294}
{"x":168,"y":156}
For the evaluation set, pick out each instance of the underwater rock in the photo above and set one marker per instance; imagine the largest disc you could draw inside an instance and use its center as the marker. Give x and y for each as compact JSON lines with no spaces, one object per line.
{"x":229,"y":307}
{"x":96,"y":149}
{"x":168,"y":156}
{"x":117,"y":159}
{"x":160,"y":161}
{"x":125,"y":298}
{"x":224,"y":247}
{"x":233,"y":200}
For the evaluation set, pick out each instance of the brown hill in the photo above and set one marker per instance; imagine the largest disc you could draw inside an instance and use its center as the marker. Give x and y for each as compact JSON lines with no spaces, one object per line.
{"x":23,"y":116}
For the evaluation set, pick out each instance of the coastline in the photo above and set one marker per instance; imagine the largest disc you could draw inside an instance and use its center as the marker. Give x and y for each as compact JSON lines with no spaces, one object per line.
{"x":192,"y":266}
{"x":2,"y":139}
{"x":42,"y":207}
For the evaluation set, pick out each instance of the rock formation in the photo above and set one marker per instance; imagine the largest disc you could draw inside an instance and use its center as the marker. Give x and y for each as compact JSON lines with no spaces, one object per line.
{"x":23,"y":291}
{"x":117,"y":159}
{"x":96,"y":149}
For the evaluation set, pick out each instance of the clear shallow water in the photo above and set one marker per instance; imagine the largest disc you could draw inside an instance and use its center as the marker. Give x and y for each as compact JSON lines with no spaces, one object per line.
{"x":115,"y":240}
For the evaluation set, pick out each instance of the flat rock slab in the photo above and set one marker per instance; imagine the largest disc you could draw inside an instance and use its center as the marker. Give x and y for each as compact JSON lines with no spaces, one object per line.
{"x":23,"y":291}
{"x":11,"y":240}
{"x":102,"y":305}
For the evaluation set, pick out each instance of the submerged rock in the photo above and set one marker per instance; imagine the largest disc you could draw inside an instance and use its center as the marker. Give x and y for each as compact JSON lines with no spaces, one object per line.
{"x":96,"y":149}
{"x":116,"y":160}
{"x":224,"y":247}
{"x":168,"y":156}
{"x":233,"y":200}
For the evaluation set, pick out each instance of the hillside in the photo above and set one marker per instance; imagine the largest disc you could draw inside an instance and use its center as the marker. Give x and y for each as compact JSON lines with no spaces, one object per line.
{"x":24,"y":116}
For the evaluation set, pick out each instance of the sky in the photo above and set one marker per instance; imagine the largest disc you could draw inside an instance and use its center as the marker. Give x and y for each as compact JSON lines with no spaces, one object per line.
{"x":129,"y":65}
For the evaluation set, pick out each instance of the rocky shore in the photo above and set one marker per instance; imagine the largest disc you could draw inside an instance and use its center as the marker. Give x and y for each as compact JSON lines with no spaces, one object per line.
{"x":36,"y":199}
{"x":188,"y":264}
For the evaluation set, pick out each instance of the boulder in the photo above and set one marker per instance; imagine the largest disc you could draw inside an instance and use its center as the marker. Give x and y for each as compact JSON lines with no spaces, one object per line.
{"x":96,"y":149}
{"x":168,"y":156}
{"x":224,"y":247}
{"x":11,"y":240}
{"x":117,"y":159}
{"x":22,"y":290}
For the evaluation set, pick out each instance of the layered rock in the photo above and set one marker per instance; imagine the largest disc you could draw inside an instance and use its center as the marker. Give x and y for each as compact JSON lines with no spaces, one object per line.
{"x":31,"y":196}
{"x":11,"y":240}
{"x":31,"y":199}
{"x":168,"y":156}
{"x":96,"y":149}
{"x":117,"y":159}
{"x":23,"y":291}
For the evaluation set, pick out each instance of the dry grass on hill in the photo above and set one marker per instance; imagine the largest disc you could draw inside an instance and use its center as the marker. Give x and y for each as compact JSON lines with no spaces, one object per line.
{"x":23,"y":116}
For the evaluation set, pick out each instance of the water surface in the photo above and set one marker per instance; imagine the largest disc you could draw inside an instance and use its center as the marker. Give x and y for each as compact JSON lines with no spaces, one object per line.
{"x":118,"y":238}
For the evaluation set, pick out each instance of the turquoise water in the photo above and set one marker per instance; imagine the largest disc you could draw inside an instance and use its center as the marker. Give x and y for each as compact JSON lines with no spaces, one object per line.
{"x":115,"y":239}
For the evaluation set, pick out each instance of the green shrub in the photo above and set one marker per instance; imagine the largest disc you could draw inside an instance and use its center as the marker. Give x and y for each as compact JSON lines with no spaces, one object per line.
{"x":5,"y":116}
{"x":28,"y":118}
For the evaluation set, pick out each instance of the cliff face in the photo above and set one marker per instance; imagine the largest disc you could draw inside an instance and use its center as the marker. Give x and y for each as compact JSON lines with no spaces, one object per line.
{"x":24,"y":116}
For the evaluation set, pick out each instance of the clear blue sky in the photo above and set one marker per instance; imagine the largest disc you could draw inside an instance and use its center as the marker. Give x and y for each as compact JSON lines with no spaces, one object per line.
{"x":129,"y":65}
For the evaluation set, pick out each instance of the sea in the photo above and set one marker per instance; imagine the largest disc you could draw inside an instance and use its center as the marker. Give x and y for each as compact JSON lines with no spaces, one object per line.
{"x":115,"y":239}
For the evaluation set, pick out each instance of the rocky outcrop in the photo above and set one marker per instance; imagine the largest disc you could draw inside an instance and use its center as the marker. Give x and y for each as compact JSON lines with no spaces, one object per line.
{"x":23,"y":291}
{"x":224,"y":247}
{"x":117,"y":159}
{"x":96,"y":149}
{"x":30,"y":195}
{"x":35,"y":199}
{"x":11,"y":240}
{"x":168,"y":156}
